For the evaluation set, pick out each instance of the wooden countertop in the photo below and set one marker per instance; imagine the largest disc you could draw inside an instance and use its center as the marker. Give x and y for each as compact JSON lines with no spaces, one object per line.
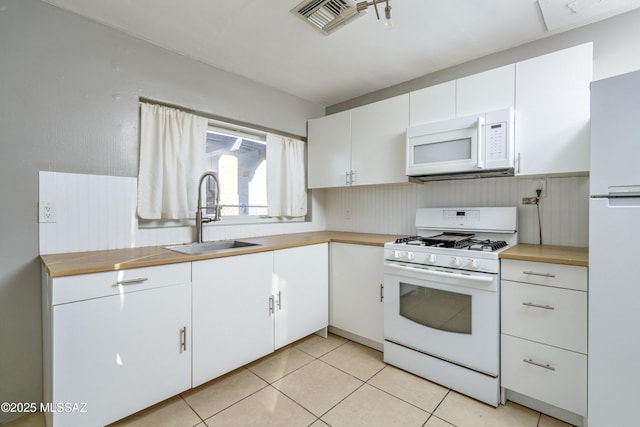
{"x":59,"y":265}
{"x":570,"y":255}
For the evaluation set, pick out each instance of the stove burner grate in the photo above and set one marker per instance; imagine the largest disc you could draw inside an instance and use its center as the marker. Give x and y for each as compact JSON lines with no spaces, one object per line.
{"x":454,"y":241}
{"x":487,"y":245}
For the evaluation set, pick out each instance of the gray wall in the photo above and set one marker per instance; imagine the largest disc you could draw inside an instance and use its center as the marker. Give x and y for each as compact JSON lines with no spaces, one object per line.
{"x":615,"y":51}
{"x":69,"y":90}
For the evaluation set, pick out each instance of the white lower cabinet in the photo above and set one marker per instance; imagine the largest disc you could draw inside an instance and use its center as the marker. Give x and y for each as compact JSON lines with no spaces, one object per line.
{"x":120,"y":341}
{"x":246,"y":306}
{"x":108,"y":356}
{"x":356,"y":291}
{"x":546,"y":373}
{"x":301,"y":292}
{"x":544,"y":335}
{"x":232,"y":323}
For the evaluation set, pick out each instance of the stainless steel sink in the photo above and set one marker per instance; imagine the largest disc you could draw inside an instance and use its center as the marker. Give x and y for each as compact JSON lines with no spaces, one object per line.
{"x":206,"y":247}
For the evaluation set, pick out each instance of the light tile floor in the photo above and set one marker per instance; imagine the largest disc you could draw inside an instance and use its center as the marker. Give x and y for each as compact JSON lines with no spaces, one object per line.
{"x":323,"y":382}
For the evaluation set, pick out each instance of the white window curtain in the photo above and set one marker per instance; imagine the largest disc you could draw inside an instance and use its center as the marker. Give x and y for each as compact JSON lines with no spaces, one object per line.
{"x":172,"y":156}
{"x":286,"y":187}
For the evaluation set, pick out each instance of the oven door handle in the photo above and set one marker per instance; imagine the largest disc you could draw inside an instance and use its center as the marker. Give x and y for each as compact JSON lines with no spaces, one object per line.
{"x":478,"y":280}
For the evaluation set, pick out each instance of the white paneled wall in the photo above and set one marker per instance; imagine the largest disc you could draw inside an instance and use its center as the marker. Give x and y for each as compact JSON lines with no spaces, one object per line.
{"x":93,"y":212}
{"x":96,"y":212}
{"x":99,"y":212}
{"x":391,"y":208}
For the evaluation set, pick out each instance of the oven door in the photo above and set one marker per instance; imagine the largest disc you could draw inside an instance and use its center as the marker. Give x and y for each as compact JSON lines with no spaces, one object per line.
{"x":449,"y":314}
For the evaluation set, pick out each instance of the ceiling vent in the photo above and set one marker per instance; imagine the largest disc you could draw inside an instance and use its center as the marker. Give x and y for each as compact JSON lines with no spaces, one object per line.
{"x":327,"y":16}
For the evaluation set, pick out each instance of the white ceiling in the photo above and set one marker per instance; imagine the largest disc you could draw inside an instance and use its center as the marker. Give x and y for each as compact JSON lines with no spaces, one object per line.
{"x":263,"y":41}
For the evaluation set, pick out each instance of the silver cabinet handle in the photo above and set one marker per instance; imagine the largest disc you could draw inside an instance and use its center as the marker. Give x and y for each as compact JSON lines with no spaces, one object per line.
{"x":183,"y":339}
{"x":381,"y":292}
{"x":530,"y":304}
{"x":542,"y":365}
{"x":279,"y":301}
{"x":354,"y":177}
{"x":346,"y":178}
{"x":518,"y":164}
{"x":533,"y":273}
{"x":271,"y":304}
{"x":131,"y":281}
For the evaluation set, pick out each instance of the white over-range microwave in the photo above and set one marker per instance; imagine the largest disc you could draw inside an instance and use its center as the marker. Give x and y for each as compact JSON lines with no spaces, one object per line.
{"x":473,"y":146}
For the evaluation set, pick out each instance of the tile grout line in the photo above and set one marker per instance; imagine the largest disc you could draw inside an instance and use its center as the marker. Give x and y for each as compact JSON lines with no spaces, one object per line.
{"x":191,"y":407}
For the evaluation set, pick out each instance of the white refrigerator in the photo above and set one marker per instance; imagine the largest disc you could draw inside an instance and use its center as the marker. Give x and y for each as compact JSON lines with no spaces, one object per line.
{"x":614,"y":253}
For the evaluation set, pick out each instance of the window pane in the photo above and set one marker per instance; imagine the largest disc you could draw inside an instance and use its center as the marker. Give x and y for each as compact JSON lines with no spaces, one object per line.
{"x":241,"y":167}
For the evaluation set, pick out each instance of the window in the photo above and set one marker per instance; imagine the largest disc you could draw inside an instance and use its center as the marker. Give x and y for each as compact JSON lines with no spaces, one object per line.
{"x":176,"y":147}
{"x":240,"y":161}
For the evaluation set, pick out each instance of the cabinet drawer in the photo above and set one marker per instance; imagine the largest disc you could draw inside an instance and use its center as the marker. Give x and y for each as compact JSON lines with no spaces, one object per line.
{"x":96,"y":285}
{"x":544,"y":314}
{"x":542,"y":273}
{"x":562,"y":384}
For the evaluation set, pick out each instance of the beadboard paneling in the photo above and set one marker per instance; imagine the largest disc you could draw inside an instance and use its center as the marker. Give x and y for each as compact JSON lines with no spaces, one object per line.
{"x":390,"y":209}
{"x":96,"y":212}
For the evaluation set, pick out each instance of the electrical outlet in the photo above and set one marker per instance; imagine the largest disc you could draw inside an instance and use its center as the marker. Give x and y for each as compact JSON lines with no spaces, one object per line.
{"x":47,"y":212}
{"x":529,"y":200}
{"x":540,"y":184}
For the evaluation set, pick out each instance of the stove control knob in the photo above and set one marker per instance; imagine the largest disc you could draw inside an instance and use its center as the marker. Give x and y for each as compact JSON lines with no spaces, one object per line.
{"x":397,"y":254}
{"x":457,"y":261}
{"x":473,"y":263}
{"x":410,"y":256}
{"x":431,"y":258}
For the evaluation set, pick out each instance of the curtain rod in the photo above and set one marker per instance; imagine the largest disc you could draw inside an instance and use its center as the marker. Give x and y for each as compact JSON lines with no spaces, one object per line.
{"x":223,"y":119}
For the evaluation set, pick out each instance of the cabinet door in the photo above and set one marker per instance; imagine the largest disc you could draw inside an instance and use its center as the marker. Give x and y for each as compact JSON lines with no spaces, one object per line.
{"x":552,"y":112}
{"x":487,"y":91}
{"x":378,"y":139}
{"x":120,"y":354}
{"x":301,"y":291}
{"x":232,"y":323}
{"x":329,"y":150}
{"x":356,"y":280}
{"x":433,"y":103}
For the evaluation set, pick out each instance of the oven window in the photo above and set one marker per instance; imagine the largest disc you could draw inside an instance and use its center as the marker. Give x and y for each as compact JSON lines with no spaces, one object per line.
{"x":459,"y":149}
{"x":443,"y":310}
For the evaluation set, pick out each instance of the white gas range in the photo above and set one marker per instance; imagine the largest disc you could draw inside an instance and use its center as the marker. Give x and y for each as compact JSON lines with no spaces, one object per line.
{"x":442,"y":297}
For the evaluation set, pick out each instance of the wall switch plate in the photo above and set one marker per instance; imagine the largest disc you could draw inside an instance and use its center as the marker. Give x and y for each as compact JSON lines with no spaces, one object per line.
{"x":347,"y":213}
{"x":47,"y":212}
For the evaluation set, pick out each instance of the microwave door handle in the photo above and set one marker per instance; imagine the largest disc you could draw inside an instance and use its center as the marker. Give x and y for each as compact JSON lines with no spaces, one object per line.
{"x":480,"y":144}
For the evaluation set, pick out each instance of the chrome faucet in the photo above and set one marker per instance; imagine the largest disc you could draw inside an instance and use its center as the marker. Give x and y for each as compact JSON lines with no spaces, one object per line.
{"x":216,"y":216}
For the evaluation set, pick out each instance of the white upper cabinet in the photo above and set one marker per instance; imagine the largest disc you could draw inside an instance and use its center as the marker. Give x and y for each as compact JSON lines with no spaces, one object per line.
{"x":487,"y":91}
{"x":552,"y":112}
{"x":329,"y":150}
{"x":433,"y":103}
{"x":378,"y":141}
{"x":362,"y":146}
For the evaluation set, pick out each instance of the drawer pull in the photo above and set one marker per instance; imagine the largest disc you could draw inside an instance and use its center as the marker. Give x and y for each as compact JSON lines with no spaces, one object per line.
{"x":533,"y":273}
{"x":542,"y":365}
{"x":530,"y":304}
{"x":131,"y":281}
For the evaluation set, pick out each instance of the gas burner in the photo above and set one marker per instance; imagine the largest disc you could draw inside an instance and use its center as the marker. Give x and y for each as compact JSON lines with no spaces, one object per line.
{"x":444,"y":240}
{"x":486,"y":245}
